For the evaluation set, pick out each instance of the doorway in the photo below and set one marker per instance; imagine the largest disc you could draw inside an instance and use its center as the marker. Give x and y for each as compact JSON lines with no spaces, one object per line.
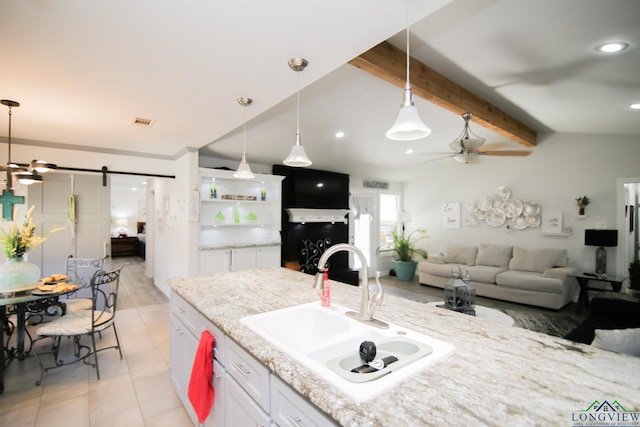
{"x":628,"y":197}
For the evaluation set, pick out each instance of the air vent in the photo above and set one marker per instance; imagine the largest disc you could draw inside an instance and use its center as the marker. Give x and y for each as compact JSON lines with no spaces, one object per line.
{"x":139,"y":121}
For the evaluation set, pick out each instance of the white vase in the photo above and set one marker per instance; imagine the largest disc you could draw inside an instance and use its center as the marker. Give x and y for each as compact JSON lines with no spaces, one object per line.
{"x":17,"y":274}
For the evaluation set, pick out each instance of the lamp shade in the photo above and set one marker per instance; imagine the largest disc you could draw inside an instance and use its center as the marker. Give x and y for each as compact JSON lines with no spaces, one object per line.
{"x":408,"y":126}
{"x":607,"y":238}
{"x":297,"y":157}
{"x":244,"y":171}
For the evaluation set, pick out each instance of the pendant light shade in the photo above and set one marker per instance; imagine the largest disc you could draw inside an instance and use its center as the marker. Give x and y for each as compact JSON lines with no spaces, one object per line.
{"x":297,"y":157}
{"x":408,"y":126}
{"x":244,"y":171}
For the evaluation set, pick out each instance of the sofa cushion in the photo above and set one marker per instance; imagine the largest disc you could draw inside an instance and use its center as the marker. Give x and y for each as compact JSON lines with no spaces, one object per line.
{"x":458,"y":254}
{"x":537,"y":260}
{"x":494,"y":255}
{"x":484,"y":273}
{"x":618,"y":340}
{"x":529,"y":281}
{"x":477,"y":273}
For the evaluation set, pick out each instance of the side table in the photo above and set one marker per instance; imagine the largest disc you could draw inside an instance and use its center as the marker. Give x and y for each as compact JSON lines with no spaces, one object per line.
{"x":583,"y":280}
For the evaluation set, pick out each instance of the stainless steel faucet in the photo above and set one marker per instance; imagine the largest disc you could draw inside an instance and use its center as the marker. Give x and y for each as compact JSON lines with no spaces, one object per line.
{"x":368,"y":305}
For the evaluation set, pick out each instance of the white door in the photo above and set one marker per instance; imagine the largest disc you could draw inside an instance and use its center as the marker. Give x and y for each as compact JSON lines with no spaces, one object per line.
{"x":363,"y":227}
{"x":88,"y":237}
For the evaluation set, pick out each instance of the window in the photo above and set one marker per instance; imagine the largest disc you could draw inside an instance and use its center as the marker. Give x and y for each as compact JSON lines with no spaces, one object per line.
{"x":389,"y":217}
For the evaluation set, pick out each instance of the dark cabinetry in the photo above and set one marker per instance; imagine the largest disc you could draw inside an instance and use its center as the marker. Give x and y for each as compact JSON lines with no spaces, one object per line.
{"x":123,"y":246}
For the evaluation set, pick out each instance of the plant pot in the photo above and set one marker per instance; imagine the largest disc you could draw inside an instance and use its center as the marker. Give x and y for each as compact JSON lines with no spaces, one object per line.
{"x":17,"y":274}
{"x":405,"y":270}
{"x":292,"y":265}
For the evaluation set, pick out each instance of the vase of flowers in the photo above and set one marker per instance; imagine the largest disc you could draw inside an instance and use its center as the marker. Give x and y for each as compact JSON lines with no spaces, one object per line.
{"x":15,"y":241}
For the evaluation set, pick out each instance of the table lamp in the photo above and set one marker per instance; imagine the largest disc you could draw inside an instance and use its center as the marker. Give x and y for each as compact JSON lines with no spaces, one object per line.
{"x":602,"y":239}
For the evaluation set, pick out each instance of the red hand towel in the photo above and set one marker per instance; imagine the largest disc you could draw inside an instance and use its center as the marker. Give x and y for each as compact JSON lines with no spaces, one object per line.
{"x":201,"y":392}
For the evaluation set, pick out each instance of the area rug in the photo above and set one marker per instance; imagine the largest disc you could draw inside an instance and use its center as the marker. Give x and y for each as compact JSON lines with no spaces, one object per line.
{"x":548,"y":323}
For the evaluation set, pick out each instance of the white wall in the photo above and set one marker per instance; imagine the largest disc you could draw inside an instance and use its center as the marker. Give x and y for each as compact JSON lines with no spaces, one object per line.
{"x":175,"y":236}
{"x":561,"y":168}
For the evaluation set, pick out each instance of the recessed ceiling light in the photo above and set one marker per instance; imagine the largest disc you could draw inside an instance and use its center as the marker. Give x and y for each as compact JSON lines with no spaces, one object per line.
{"x":339,"y":134}
{"x":612,"y":47}
{"x":635,"y":106}
{"x":409,"y":151}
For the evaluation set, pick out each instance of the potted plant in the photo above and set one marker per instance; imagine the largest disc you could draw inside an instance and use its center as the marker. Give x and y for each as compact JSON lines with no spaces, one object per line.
{"x":583,"y":202}
{"x":634,"y":277}
{"x":405,"y":250}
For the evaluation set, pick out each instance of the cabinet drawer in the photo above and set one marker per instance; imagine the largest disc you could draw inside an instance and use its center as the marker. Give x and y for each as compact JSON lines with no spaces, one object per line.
{"x":218,"y":349}
{"x":252,"y":375}
{"x":186,"y":313}
{"x":288,"y":408}
{"x":240,"y":409}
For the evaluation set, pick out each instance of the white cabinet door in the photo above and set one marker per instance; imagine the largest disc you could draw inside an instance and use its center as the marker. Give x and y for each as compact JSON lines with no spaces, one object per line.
{"x":243,"y":259}
{"x":214,"y":261}
{"x":288,"y":408}
{"x":183,"y":350}
{"x":268,"y":256}
{"x":241,"y":410}
{"x":216,"y":417}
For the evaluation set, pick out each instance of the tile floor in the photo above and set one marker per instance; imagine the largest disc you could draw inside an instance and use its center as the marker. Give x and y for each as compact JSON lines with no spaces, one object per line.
{"x":134,"y":391}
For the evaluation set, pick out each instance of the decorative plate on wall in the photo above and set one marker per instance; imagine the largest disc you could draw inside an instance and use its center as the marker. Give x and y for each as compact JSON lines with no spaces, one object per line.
{"x":531,"y":209}
{"x":502,"y":193}
{"x":495,"y":218}
{"x":533,"y":221}
{"x":485,"y":204}
{"x":519,"y":222}
{"x":513,"y":208}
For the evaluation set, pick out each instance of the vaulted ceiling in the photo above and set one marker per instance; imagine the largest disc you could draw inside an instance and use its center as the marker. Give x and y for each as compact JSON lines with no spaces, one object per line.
{"x":84,"y":70}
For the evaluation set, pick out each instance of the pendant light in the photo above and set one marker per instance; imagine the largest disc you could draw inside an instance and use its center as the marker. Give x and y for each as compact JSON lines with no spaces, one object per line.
{"x":297,"y":157}
{"x":244,"y":171}
{"x":25,"y":174}
{"x":408,"y":126}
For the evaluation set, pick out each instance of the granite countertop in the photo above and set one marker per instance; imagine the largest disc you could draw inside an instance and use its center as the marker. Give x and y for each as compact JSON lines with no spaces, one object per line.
{"x":497,"y":375}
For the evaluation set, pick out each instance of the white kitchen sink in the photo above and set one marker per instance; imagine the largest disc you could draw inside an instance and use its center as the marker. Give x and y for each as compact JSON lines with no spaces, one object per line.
{"x":326,"y":341}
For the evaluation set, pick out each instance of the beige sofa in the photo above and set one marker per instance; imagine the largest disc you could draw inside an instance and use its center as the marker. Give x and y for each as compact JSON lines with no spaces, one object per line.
{"x":528,"y":276}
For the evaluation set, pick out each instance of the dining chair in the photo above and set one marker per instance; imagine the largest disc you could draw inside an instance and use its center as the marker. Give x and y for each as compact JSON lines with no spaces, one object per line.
{"x":80,"y":272}
{"x":83,"y":323}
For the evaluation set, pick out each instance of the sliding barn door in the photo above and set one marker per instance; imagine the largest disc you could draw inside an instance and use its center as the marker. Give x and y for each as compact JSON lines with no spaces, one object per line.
{"x":88,"y":236}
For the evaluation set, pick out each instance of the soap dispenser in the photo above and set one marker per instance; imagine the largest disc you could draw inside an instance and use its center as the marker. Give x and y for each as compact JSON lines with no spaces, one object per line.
{"x":325,"y":298}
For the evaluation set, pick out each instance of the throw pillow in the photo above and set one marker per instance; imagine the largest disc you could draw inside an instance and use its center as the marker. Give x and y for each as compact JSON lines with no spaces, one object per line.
{"x":537,"y":260}
{"x":619,"y":340}
{"x":456,"y":254}
{"x":494,"y":255}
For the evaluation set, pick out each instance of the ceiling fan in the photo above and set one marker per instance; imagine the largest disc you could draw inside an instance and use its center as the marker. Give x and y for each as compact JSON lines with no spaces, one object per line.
{"x":469,"y":146}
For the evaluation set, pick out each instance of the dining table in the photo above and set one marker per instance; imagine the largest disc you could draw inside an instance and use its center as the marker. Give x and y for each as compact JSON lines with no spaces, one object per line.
{"x":21,"y":303}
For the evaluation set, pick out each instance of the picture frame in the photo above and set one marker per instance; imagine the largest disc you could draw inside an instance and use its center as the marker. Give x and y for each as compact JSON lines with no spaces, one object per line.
{"x":551,"y":223}
{"x":451,"y":215}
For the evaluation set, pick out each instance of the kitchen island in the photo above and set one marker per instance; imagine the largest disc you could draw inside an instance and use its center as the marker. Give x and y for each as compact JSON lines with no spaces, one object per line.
{"x":497,"y":375}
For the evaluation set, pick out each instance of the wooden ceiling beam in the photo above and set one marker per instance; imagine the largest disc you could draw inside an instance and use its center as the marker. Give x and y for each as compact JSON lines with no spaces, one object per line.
{"x":389,"y":63}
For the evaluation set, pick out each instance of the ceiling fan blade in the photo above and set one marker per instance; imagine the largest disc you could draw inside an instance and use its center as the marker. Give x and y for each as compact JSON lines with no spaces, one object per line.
{"x":440,"y":157}
{"x":505,"y":153}
{"x":494,"y":146}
